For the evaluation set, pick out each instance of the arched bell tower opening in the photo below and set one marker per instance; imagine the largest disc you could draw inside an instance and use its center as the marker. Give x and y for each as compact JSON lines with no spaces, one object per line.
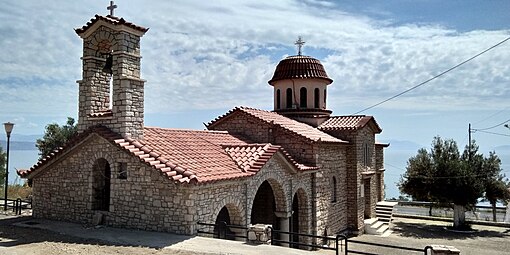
{"x":303,"y":78}
{"x":111,"y":91}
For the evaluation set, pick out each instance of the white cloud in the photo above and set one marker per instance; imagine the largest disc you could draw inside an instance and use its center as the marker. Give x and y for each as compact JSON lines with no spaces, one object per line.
{"x":210,"y":55}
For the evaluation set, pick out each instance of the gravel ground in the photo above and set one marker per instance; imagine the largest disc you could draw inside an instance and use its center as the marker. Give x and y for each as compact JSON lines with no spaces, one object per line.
{"x":16,"y":240}
{"x":413,"y":233}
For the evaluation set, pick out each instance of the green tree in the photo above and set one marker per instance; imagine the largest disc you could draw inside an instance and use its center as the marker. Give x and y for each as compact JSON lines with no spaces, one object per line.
{"x":496,"y":187}
{"x":444,"y":176}
{"x":55,"y":136}
{"x":3,"y":161}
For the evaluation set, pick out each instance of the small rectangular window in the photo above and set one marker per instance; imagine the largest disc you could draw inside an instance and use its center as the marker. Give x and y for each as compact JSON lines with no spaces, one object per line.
{"x":122,"y":172}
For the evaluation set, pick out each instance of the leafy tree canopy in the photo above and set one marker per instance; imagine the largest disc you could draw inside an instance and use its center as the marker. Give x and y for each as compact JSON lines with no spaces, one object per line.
{"x":443,"y":175}
{"x":55,"y":136}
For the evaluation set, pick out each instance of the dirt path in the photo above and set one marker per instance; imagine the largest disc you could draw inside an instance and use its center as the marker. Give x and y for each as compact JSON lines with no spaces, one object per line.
{"x":18,"y":240}
{"x":30,"y":241}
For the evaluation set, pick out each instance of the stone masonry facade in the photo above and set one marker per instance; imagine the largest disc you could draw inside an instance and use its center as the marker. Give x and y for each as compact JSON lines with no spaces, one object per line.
{"x":312,"y":186}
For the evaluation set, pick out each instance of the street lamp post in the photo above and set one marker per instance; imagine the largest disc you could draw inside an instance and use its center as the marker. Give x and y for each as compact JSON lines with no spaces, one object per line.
{"x":8,"y":129}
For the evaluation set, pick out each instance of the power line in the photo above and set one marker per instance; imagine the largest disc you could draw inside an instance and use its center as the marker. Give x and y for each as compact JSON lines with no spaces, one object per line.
{"x":434,"y":77}
{"x":492,"y":115}
{"x":500,"y":124}
{"x":492,"y":133}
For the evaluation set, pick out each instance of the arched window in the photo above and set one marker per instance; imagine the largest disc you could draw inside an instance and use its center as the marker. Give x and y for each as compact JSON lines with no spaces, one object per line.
{"x":289,"y":98}
{"x":324,"y":97}
{"x":366,"y":154}
{"x":278,"y":99}
{"x":333,"y":189}
{"x":302,"y":97}
{"x":316,"y":98}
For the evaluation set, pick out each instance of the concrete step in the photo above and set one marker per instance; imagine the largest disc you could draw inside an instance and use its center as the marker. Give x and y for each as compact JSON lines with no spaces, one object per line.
{"x":382,"y":229}
{"x":377,"y":225}
{"x":384,"y":209}
{"x":370,"y":221}
{"x":384,"y":212}
{"x":387,"y":203}
{"x":387,"y":233}
{"x":385,"y":220}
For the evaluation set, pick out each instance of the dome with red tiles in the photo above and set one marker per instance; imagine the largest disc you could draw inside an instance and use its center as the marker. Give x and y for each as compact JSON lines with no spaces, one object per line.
{"x":299,"y":67}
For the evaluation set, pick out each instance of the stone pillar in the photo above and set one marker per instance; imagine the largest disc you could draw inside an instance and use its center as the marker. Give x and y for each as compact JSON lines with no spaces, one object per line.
{"x":444,"y":250}
{"x":284,"y":224}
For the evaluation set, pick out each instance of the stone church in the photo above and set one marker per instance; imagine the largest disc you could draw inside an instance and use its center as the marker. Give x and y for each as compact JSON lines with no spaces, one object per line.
{"x":297,"y":167}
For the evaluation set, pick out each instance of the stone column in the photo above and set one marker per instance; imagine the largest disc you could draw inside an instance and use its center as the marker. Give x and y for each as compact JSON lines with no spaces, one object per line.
{"x":284,"y":224}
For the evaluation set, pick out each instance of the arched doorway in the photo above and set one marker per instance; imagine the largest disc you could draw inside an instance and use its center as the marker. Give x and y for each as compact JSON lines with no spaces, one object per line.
{"x":295,"y":220}
{"x":264,"y":206}
{"x":222,"y":220}
{"x":299,"y":218}
{"x":101,"y":175}
{"x":228,"y":220}
{"x":269,"y":207}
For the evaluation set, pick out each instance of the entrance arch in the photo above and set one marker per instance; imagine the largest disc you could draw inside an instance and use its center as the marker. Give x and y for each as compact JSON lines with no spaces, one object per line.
{"x":268,"y":201}
{"x":270,"y":207}
{"x":264,"y":206}
{"x":101,"y":174}
{"x":228,"y":215}
{"x":299,"y":218}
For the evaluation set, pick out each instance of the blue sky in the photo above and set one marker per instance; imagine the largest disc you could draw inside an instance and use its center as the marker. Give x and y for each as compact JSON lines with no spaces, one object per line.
{"x":202,"y":58}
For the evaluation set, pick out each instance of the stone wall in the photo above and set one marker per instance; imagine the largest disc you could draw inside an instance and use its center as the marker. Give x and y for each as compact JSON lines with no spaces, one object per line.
{"x":379,"y":166}
{"x":260,"y":132}
{"x":356,"y":172}
{"x":145,"y":200}
{"x":331,"y":212}
{"x":238,"y":195}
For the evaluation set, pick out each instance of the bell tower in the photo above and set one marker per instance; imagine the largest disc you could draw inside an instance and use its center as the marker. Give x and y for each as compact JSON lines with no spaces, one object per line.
{"x":111,"y":92}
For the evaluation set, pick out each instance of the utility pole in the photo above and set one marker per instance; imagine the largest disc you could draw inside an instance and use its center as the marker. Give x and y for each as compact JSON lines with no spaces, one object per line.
{"x":469,"y":145}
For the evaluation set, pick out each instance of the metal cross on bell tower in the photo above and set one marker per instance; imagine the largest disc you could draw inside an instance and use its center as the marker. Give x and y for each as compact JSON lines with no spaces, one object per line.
{"x":299,"y":43}
{"x":111,"y":8}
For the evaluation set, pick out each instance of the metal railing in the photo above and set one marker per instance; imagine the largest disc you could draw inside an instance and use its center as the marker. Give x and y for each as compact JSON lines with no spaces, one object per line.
{"x":18,"y":205}
{"x":222,"y":230}
{"x":395,"y":247}
{"x":325,"y":239}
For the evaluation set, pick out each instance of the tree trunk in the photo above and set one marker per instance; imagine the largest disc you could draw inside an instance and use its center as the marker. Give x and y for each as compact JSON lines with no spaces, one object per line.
{"x":493,"y":211}
{"x":459,"y":216}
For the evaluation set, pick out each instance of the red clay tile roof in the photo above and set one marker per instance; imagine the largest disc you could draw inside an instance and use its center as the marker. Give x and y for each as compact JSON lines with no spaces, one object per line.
{"x":110,"y":19}
{"x":352,"y":122}
{"x":252,"y":157}
{"x":289,"y":125}
{"x":184,"y":156}
{"x":299,"y":67}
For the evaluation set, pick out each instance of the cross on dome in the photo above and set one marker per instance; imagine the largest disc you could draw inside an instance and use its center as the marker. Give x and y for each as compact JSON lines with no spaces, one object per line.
{"x":299,"y":43}
{"x":111,"y":8}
